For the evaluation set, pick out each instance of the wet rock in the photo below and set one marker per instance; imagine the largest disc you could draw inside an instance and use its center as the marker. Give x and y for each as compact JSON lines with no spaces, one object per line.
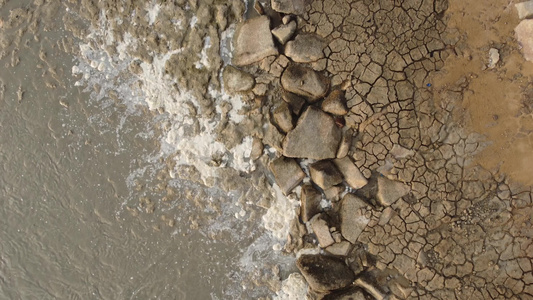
{"x":295,"y":7}
{"x":295,"y":102}
{"x":346,"y":142}
{"x":284,"y":32}
{"x":524,"y":35}
{"x":390,"y":190}
{"x":335,"y":103}
{"x":324,"y":273}
{"x":353,"y":215}
{"x":315,"y":136}
{"x":524,"y":9}
{"x":310,"y":202}
{"x":287,"y":173}
{"x":340,"y":248}
{"x":283,"y":117}
{"x":352,"y":176}
{"x":321,"y":229}
{"x":305,"y":82}
{"x":353,"y":293}
{"x":305,"y":48}
{"x":253,"y":41}
{"x":325,"y":174}
{"x":236,"y":81}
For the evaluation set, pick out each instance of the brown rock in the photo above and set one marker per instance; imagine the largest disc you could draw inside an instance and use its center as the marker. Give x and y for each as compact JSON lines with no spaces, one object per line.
{"x":287,"y":173}
{"x":324,"y":273}
{"x":295,"y":7}
{"x":353,"y":217}
{"x":283,"y":117}
{"x":295,"y":102}
{"x":253,"y":41}
{"x":321,"y":229}
{"x":389,"y":191}
{"x":325,"y":174}
{"x":524,"y":35}
{"x":340,"y":249}
{"x":284,"y":32}
{"x":236,"y":81}
{"x":346,"y":142}
{"x":353,"y":293}
{"x":305,"y":48}
{"x":305,"y":82}
{"x":257,"y":149}
{"x":310,"y":202}
{"x":353,"y":177}
{"x":335,"y":103}
{"x":315,"y":136}
{"x":333,"y":193}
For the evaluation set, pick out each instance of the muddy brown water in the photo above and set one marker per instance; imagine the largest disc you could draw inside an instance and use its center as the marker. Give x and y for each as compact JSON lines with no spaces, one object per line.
{"x":70,"y":166}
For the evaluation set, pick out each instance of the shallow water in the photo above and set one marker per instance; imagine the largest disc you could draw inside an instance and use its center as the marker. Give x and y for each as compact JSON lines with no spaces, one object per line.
{"x":88,"y":209}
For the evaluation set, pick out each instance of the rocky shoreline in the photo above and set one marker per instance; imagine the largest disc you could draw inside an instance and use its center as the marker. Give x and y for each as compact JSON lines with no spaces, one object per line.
{"x":313,"y":130}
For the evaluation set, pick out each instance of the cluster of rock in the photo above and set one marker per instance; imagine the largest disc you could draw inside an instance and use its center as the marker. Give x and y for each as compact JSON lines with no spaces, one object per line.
{"x":309,"y":127}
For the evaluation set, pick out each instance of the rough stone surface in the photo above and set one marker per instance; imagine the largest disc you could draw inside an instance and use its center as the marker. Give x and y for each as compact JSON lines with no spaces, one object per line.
{"x":305,"y":82}
{"x":310,"y":202}
{"x":295,"y":7}
{"x":284,"y":32}
{"x":353,"y":215}
{"x":346,"y":142}
{"x":524,"y":35}
{"x":324,"y":273}
{"x":305,"y":48}
{"x":353,"y":177}
{"x":287,"y":173}
{"x":353,"y":293}
{"x":333,"y":193}
{"x":283,"y":117}
{"x":321,"y":229}
{"x":236,"y":81}
{"x":340,"y":249}
{"x":253,"y":41}
{"x":295,"y":102}
{"x":335,"y":103}
{"x":315,"y":136}
{"x":389,"y":191}
{"x":494,"y":58}
{"x":524,"y":9}
{"x":325,"y":174}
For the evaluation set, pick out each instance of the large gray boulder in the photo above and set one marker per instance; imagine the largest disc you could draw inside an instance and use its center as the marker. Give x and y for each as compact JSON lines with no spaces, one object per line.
{"x":353,"y":215}
{"x":305,"y":48}
{"x":253,"y":41}
{"x":315,"y":136}
{"x":287,"y":173}
{"x":325,"y":273}
{"x":305,"y":82}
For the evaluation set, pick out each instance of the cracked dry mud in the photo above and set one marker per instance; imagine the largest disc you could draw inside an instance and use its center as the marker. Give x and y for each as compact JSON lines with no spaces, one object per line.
{"x":445,"y":228}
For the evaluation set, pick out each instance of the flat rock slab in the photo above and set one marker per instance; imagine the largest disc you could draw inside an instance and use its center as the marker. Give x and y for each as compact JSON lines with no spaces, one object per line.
{"x":287,"y":173}
{"x":309,"y":202}
{"x":236,"y":81}
{"x":325,"y":273}
{"x":389,"y":191}
{"x":295,"y":7}
{"x":524,"y":9}
{"x":353,"y":217}
{"x":305,"y":48}
{"x":325,"y":174}
{"x":305,"y":82}
{"x":315,"y":136}
{"x":352,"y":176}
{"x":524,"y":35}
{"x":253,"y":41}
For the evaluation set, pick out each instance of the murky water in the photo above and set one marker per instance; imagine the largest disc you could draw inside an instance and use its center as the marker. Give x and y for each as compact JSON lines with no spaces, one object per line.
{"x":88,"y":208}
